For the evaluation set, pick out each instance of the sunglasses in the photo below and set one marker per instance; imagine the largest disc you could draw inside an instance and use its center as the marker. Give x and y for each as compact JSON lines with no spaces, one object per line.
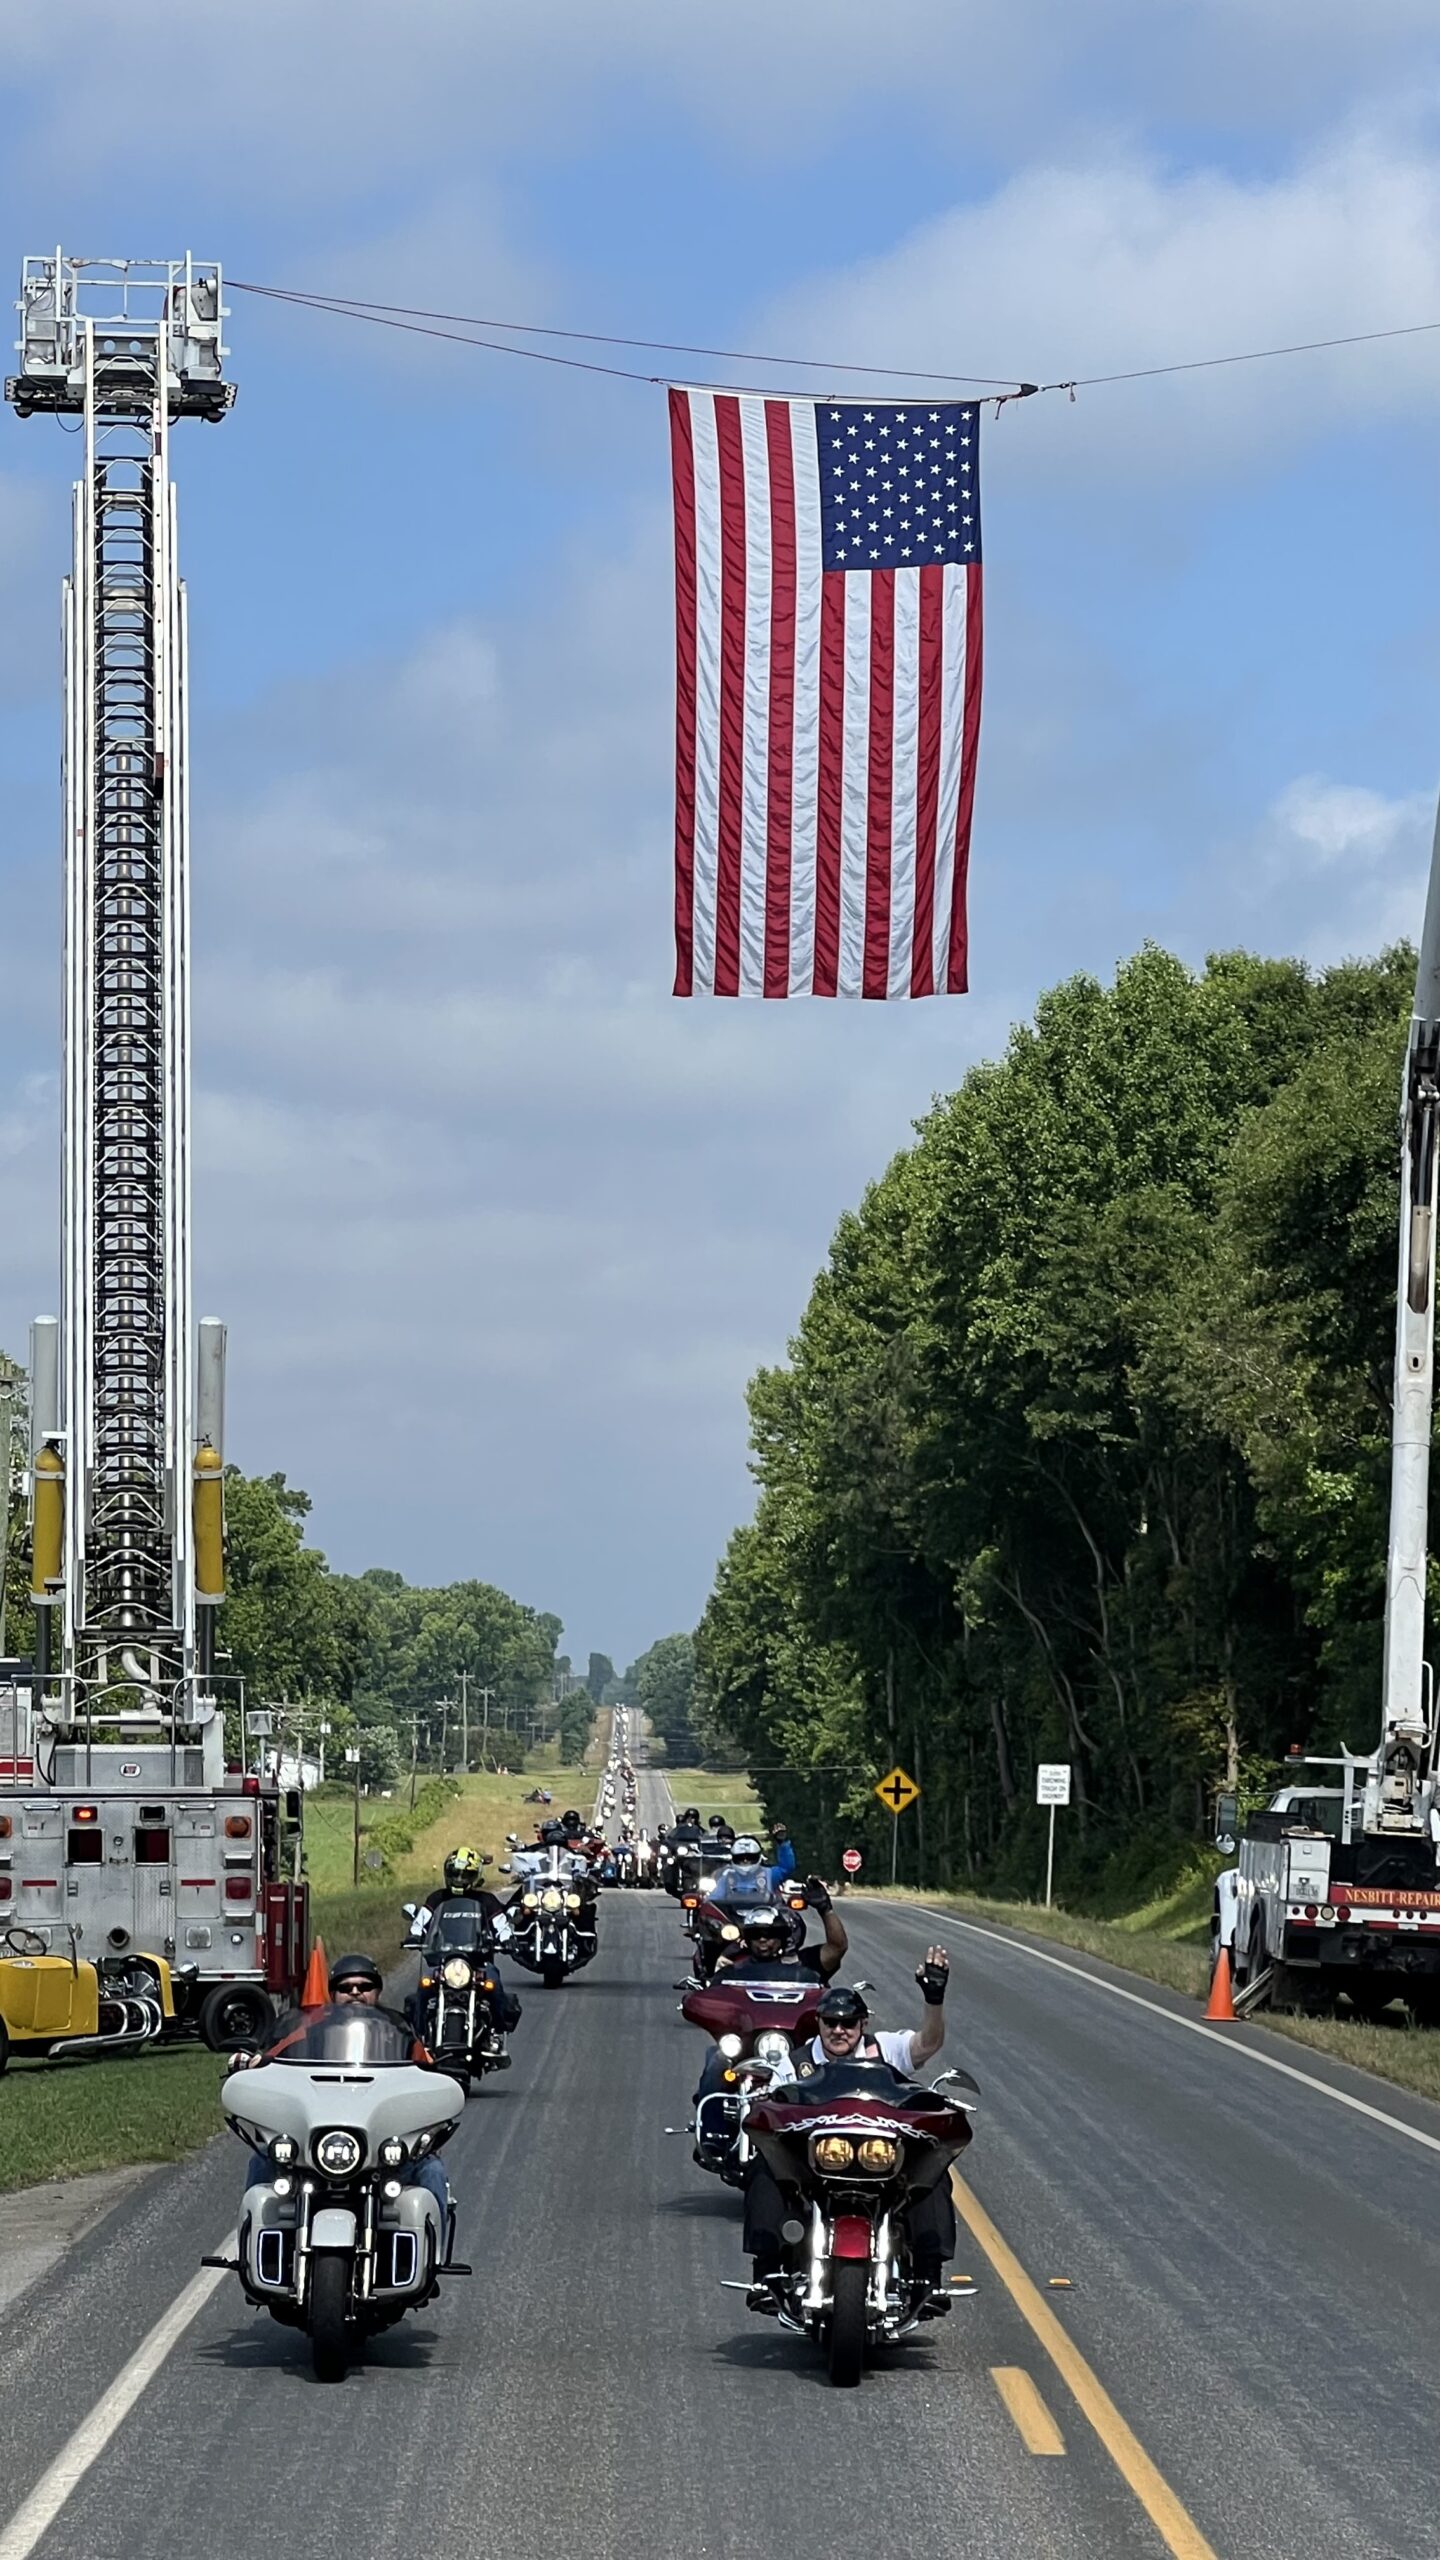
{"x":356,"y":1991}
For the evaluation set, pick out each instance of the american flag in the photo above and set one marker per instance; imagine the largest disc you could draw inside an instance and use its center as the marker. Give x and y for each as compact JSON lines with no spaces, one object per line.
{"x":828,"y":586}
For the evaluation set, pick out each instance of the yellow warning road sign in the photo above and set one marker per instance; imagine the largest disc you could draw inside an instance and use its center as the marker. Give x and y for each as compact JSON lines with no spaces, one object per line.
{"x":897,"y":1792}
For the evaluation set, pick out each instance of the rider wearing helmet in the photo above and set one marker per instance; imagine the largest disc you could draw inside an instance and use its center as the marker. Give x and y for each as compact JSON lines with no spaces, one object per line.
{"x":766,"y":1942}
{"x":843,"y":2034}
{"x":747,"y":1878}
{"x":463,"y":1870}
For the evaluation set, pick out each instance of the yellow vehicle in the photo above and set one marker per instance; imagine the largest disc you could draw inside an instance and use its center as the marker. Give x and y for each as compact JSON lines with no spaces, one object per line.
{"x":61,"y":2004}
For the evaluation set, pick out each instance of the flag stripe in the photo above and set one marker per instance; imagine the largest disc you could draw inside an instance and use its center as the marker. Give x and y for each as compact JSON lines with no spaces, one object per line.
{"x":902,"y":787}
{"x":731,"y":830}
{"x":806,"y":728}
{"x":930,"y":676}
{"x":830,"y":793}
{"x":952,"y":744}
{"x":683,"y":463}
{"x":878,"y":813}
{"x":708,"y":627}
{"x":855,"y":792}
{"x":957,"y":977}
{"x":779,"y":834}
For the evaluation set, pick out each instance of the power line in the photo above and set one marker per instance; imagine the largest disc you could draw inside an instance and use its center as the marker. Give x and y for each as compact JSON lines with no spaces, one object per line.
{"x":400,"y":314}
{"x":419,"y":322}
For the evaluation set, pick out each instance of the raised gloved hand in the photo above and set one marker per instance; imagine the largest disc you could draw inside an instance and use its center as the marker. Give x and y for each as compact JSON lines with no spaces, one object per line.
{"x":933,"y":1976}
{"x":817,"y":1894}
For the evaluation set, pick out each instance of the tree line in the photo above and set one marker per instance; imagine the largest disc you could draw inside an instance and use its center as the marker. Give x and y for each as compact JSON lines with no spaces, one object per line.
{"x":1081,"y":1449}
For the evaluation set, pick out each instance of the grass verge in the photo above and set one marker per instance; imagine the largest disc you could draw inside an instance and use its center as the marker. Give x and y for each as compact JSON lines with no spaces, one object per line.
{"x":726,"y":1792}
{"x":60,"y":2119}
{"x":1389,"y":2047}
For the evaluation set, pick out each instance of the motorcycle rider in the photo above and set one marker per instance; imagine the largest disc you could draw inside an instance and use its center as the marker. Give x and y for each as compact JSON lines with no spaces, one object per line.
{"x":355,"y":1982}
{"x":463,"y":1870}
{"x":843,"y":2035}
{"x":765,"y":1941}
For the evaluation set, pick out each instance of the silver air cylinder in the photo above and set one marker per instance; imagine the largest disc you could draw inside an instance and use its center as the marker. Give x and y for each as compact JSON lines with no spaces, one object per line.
{"x":44,"y":1382}
{"x":210,"y":1384}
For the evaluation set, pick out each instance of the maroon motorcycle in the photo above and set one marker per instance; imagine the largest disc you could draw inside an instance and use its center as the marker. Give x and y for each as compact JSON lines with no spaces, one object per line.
{"x":756,"y":2013}
{"x":854,"y":2149}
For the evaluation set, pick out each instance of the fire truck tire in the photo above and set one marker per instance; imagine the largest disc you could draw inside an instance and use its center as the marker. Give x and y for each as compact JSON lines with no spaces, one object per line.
{"x":234,"y":2013}
{"x":4,"y":2044}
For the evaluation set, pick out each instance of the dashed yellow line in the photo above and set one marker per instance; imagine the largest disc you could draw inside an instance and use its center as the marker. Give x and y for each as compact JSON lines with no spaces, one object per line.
{"x":1148,"y":2486}
{"x":1038,"y":2431}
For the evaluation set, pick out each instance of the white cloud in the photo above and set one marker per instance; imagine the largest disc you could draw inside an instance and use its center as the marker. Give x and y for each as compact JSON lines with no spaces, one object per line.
{"x":1337,"y":869}
{"x":1120,"y":262}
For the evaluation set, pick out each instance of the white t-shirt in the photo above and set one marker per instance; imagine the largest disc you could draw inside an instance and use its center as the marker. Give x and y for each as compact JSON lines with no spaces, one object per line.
{"x":896,"y":2046}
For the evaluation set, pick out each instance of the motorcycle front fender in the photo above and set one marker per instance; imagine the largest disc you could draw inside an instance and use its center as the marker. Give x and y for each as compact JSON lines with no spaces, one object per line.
{"x":333,"y":2227}
{"x":851,"y":2236}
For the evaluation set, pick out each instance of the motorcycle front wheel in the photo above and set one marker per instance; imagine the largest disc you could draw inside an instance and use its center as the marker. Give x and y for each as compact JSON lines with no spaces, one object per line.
{"x":329,"y":2302}
{"x":552,"y":1973}
{"x":846,"y":2342}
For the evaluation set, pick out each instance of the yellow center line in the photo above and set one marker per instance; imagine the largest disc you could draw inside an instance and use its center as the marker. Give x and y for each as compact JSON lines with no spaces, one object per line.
{"x":1038,"y":2431}
{"x":1177,"y":2530}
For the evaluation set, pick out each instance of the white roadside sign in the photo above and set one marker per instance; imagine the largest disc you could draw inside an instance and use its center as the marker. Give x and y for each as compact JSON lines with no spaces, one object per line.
{"x":1052,"y":1782}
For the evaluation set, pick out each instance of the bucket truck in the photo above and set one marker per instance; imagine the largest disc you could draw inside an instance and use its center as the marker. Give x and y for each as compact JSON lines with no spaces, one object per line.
{"x":1337,"y":1885}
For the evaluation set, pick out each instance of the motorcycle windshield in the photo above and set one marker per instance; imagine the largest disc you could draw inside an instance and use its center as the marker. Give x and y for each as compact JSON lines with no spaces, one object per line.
{"x":830,"y":2082}
{"x":354,"y":2039}
{"x":458,"y":1928}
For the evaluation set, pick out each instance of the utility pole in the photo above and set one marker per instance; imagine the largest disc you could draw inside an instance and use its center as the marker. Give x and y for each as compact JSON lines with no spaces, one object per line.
{"x":485,"y":1697}
{"x":414,"y":1753}
{"x":465,"y":1720}
{"x":444,"y":1705}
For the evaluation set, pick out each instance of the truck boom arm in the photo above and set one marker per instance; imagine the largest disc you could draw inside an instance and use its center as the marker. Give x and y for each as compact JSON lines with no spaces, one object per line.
{"x":1401,"y":1786}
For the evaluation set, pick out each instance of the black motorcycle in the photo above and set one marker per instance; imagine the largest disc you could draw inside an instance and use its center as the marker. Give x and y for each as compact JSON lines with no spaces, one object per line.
{"x":458,"y":1991}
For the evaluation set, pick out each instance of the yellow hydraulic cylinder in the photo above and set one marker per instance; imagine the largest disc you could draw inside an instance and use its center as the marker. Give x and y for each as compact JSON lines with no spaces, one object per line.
{"x":48,"y":1541}
{"x":209,"y":1513}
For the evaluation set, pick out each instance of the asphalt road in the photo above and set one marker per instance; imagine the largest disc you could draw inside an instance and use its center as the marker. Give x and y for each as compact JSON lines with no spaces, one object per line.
{"x":1244,"y":2361}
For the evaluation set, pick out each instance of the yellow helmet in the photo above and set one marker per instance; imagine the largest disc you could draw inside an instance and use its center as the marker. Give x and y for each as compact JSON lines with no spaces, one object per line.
{"x":462,"y":1869}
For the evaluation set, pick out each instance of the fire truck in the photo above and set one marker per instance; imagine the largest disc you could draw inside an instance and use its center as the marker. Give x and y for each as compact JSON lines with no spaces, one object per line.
{"x":1337,"y":1883}
{"x":131,"y":1817}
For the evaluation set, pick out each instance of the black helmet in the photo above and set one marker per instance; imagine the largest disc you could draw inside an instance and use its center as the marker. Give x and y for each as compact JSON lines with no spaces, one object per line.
{"x":570,"y":1818}
{"x":762,"y":1920}
{"x":356,"y":1969}
{"x":691,"y":1813}
{"x":842,"y":2007}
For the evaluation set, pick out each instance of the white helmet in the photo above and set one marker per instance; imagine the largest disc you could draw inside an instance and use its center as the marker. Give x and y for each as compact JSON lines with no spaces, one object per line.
{"x":746,"y":1851}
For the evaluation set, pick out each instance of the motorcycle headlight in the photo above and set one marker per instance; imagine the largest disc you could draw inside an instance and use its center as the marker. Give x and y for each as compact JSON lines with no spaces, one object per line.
{"x":455,"y":1974}
{"x":832,"y":2151}
{"x":532,"y":1901}
{"x":875,"y":2152}
{"x":572,"y":1901}
{"x":339,"y":2153}
{"x":730,"y":2046}
{"x":707,"y":1884}
{"x":283,"y":2150}
{"x":550,"y":1900}
{"x":392,"y":2152}
{"x":730,"y":1931}
{"x":772,"y":2047}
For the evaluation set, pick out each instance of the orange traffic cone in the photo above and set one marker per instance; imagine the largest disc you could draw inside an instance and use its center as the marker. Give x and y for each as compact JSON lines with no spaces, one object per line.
{"x":1220,"y":2003}
{"x":316,"y":1991}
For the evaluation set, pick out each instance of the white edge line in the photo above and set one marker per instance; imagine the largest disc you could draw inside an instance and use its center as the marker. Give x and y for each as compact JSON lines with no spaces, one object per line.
{"x":1192,"y":2026}
{"x":64,"y":2475}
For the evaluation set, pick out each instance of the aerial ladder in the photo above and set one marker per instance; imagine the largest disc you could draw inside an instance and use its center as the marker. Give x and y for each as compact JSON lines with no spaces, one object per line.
{"x":129,"y":1815}
{"x":1338,"y":1882}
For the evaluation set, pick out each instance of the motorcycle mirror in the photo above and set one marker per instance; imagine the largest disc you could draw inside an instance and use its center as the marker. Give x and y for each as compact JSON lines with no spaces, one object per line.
{"x":512,"y":1839}
{"x":411,"y":1910}
{"x":504,"y":1868}
{"x":863,"y":1986}
{"x":957,"y":2079}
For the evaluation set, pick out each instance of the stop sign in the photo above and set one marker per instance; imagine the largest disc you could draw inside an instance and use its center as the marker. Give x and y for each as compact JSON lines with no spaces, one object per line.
{"x":852,"y":1862}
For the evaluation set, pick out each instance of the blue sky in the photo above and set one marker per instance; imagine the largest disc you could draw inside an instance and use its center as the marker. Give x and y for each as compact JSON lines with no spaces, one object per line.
{"x":499,"y":1228}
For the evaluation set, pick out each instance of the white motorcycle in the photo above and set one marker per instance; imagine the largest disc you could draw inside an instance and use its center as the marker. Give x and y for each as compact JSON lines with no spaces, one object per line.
{"x":340,"y":2238}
